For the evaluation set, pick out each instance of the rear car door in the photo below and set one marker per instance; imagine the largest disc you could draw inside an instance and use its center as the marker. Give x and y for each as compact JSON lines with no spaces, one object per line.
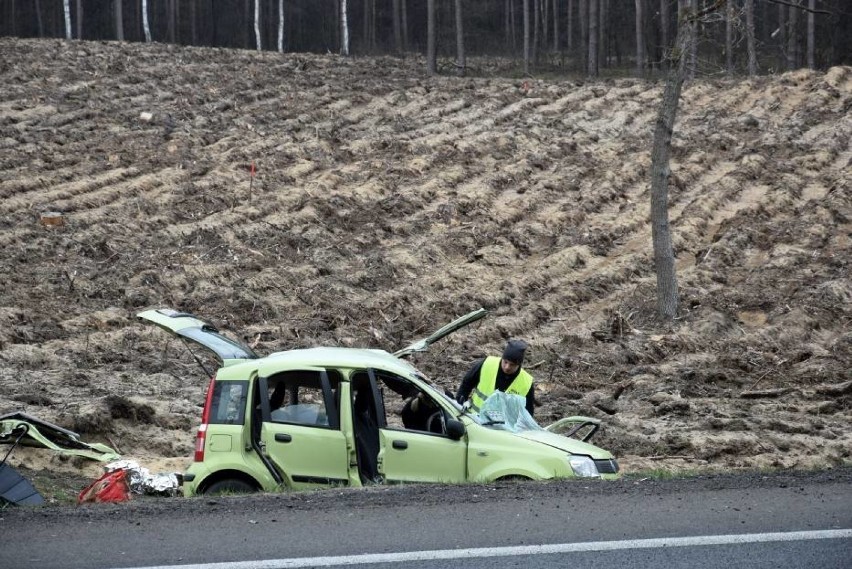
{"x":300,"y":427}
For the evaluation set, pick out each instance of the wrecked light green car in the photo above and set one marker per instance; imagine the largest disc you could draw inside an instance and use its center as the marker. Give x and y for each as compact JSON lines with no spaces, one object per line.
{"x":332,"y":416}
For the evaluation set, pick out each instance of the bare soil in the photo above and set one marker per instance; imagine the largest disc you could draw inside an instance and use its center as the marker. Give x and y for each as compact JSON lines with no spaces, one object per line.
{"x":386,"y":204}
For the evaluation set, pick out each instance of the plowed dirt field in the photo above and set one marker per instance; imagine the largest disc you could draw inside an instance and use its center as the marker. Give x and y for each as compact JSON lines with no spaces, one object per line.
{"x":386,"y":204}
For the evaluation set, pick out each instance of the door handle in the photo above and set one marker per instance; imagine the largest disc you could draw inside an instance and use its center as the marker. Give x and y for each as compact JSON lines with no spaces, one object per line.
{"x":283,"y":438}
{"x":400,"y":445}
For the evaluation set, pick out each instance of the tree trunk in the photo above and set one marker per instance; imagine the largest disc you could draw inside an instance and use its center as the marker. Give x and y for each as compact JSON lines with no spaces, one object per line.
{"x":280,"y":26}
{"x":730,"y":14}
{"x":257,"y":40}
{"x":536,"y":25}
{"x":431,"y":39}
{"x":461,"y":62}
{"x":146,"y":27}
{"x":118,"y":19}
{"x":192,"y":23}
{"x":79,"y":14}
{"x":555,"y":26}
{"x":405,"y":25}
{"x":782,"y":35}
{"x":66,"y":5}
{"x":693,"y":42}
{"x":526,"y":37}
{"x":750,"y":42}
{"x":365,"y":32}
{"x":39,"y":22}
{"x":570,"y":25}
{"x":584,"y":34}
{"x":593,"y":38}
{"x":170,"y":20}
{"x":640,"y":40}
{"x":397,"y":28}
{"x":544,"y":10}
{"x":667,"y":290}
{"x":793,"y":38}
{"x":603,"y":39}
{"x":344,"y":28}
{"x":665,"y":20}
{"x":507,"y":22}
{"x":811,"y":58}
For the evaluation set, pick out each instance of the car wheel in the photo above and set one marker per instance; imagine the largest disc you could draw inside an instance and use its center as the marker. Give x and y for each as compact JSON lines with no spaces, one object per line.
{"x":230,"y":486}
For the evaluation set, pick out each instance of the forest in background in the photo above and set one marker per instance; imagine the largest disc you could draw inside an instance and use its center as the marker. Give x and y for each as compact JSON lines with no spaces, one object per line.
{"x":627,"y":36}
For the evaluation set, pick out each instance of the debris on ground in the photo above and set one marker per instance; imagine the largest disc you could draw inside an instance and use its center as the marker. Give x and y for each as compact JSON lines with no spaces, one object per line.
{"x":41,"y":433}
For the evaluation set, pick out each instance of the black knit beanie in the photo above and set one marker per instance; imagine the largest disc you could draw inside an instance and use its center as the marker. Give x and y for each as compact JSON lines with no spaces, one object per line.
{"x":514,"y":351}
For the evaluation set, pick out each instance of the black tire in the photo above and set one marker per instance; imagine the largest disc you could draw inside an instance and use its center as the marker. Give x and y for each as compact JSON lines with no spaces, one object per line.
{"x":513,"y":478}
{"x":230,"y":486}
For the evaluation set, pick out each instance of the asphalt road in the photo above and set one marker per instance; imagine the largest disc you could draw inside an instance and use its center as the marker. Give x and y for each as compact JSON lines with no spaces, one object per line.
{"x":781,"y":520}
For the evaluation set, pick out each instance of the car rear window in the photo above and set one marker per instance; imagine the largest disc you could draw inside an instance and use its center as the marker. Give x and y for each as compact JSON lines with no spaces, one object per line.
{"x":228,"y":405}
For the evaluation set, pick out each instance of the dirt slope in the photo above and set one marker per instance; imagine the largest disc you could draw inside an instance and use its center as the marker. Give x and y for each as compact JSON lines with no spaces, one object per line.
{"x":386,"y":204}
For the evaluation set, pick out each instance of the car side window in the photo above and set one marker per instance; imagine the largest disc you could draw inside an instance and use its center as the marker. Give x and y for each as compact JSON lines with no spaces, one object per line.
{"x":301,"y":398}
{"x":408,"y":407}
{"x":228,"y":403}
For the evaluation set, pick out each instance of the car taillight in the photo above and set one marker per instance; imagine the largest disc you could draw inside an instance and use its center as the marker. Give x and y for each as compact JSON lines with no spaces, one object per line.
{"x":201,"y":436}
{"x":199,"y":442}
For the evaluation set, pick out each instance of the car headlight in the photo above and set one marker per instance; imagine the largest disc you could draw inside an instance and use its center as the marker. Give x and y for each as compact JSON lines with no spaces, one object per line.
{"x":583,"y":466}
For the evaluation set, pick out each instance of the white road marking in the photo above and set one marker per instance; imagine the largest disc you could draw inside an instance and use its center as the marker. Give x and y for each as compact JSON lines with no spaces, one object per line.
{"x":443,"y":554}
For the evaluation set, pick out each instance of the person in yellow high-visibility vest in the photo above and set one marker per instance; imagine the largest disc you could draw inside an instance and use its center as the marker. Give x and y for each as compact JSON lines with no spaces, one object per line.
{"x":498,"y":374}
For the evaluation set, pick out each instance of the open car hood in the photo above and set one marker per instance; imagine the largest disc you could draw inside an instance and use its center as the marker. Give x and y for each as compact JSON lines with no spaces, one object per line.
{"x":446,"y":330}
{"x":191,"y":328}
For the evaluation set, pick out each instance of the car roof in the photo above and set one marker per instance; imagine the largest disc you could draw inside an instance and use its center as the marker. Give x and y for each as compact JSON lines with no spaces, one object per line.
{"x":330,"y":357}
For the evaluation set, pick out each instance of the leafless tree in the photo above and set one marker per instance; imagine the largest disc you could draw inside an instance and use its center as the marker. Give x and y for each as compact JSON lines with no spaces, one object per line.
{"x":593,"y":37}
{"x":584,"y":33}
{"x":193,"y":29}
{"x":170,"y":20}
{"x":555,"y":26}
{"x":461,"y":61}
{"x":664,"y":28}
{"x":79,"y":15}
{"x":570,"y":24}
{"x":66,"y":6}
{"x":118,"y":19}
{"x":344,"y":27}
{"x":397,"y":28}
{"x":431,"y":39}
{"x":750,"y":41}
{"x":667,"y":289}
{"x":526,"y":37}
{"x":603,"y":44}
{"x":145,"y":25}
{"x":811,"y":42}
{"x":730,"y":15}
{"x":257,"y":25}
{"x":39,"y":23}
{"x":640,"y":39}
{"x":793,"y":37}
{"x":536,"y":25}
{"x":280,"y":26}
{"x":693,"y":44}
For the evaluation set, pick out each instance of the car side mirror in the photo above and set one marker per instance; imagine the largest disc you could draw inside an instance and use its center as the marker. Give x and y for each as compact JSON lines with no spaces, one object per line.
{"x":455,"y":429}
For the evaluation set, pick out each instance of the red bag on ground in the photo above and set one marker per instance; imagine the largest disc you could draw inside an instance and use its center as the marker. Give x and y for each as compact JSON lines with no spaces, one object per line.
{"x":111,"y":487}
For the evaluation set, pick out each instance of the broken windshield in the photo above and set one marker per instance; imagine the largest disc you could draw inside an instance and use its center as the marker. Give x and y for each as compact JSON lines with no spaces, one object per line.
{"x":505,"y":412}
